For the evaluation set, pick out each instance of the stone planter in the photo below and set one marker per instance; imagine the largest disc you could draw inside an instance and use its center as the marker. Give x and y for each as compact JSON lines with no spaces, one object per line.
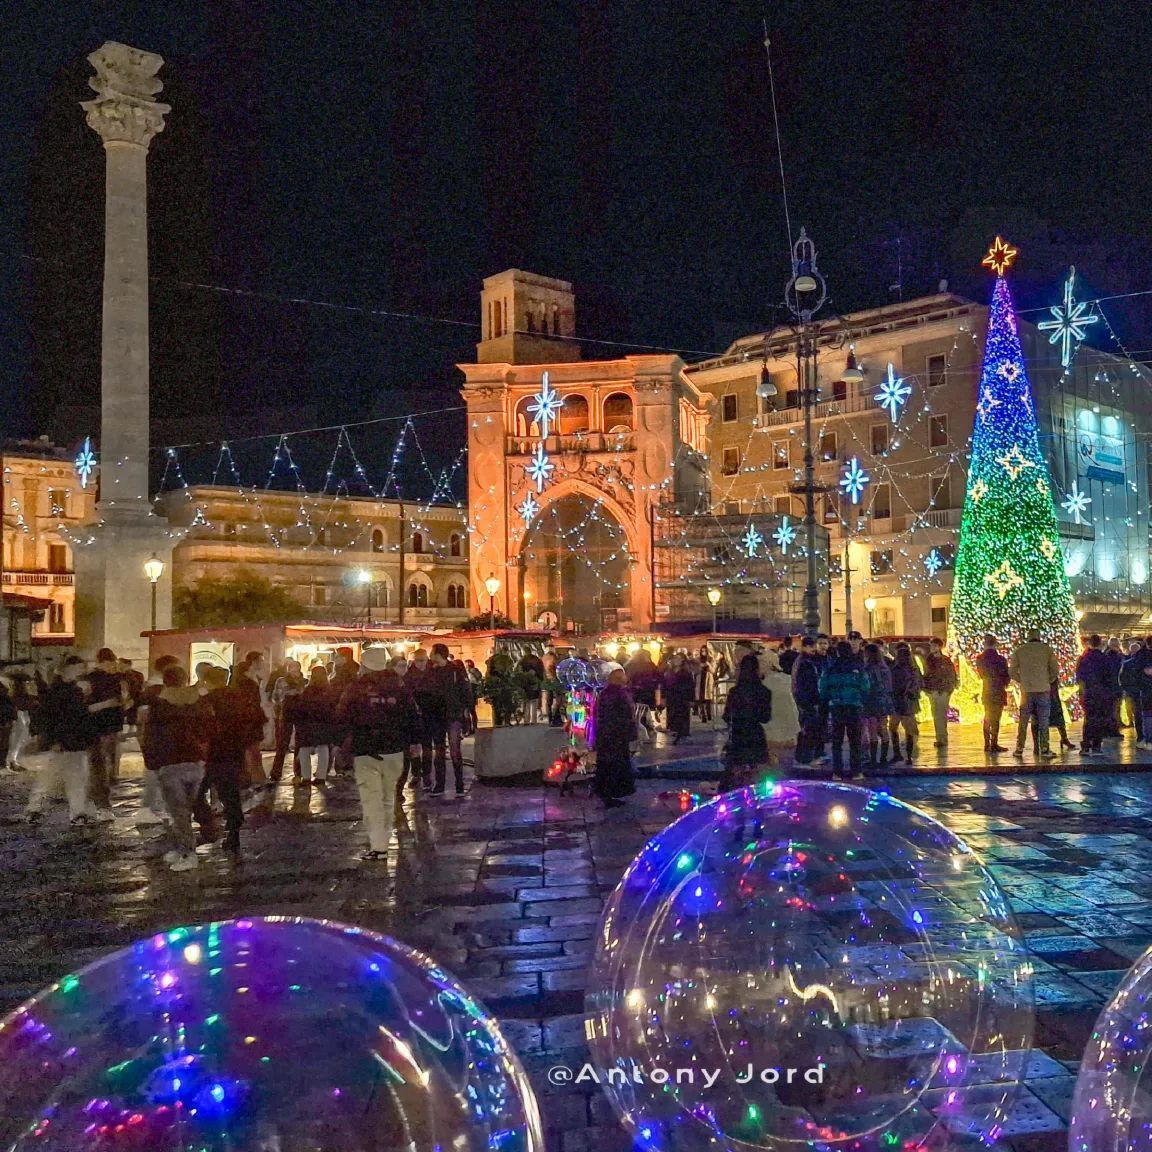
{"x":521,"y":751}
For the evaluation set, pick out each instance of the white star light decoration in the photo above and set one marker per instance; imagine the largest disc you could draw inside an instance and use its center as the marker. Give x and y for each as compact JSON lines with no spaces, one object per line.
{"x":854,"y":480}
{"x":528,"y":509}
{"x":751,"y":540}
{"x":86,"y":462}
{"x":933,"y":562}
{"x":784,"y":535}
{"x":541,"y":468}
{"x":1010,"y":371}
{"x":546,"y":405}
{"x":1076,"y":503}
{"x":1070,"y":320}
{"x":893,"y":394}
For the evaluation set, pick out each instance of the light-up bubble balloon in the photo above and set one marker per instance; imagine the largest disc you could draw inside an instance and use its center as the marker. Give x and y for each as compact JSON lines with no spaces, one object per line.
{"x":575,"y":673}
{"x":809,"y":966}
{"x":1112,"y":1104}
{"x":285,"y":1034}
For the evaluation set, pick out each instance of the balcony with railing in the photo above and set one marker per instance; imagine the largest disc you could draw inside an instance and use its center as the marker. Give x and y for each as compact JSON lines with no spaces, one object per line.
{"x":848,"y":406}
{"x":39,"y":579}
{"x":572,"y":442}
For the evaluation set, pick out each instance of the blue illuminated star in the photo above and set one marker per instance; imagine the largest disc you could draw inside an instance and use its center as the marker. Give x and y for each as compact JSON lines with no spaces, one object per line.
{"x":893,"y":394}
{"x":854,"y":480}
{"x":751,"y":540}
{"x":528,"y":509}
{"x":784,"y":535}
{"x":546,"y":405}
{"x":1076,"y":503}
{"x":86,"y":462}
{"x":1069,"y":323}
{"x":933,"y":562}
{"x":541,"y":468}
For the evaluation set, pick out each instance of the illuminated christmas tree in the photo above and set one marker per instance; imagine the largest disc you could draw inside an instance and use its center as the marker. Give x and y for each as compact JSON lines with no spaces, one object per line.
{"x":1009,"y":566}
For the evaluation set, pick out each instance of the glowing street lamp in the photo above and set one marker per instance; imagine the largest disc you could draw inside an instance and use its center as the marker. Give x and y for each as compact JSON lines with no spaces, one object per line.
{"x":870,"y":608}
{"x":492,"y":586}
{"x":154,"y":569}
{"x":714,"y":596}
{"x":363,"y":576}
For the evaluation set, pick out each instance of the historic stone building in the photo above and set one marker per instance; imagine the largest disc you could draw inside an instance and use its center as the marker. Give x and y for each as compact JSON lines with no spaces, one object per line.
{"x":346,"y":560}
{"x":568,"y":460}
{"x":44,"y":506}
{"x":896,"y":544}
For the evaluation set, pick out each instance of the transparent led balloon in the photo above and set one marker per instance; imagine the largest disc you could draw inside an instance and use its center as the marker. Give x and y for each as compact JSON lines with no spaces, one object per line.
{"x":272,"y":1034}
{"x":809,"y":965}
{"x":1112,"y":1104}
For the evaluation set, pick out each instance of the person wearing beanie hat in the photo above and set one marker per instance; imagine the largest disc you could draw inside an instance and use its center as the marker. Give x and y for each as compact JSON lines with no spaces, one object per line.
{"x":378,"y":719}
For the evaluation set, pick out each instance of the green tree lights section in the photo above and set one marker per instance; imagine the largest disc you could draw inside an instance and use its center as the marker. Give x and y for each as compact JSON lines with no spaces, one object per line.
{"x":1009,"y":566}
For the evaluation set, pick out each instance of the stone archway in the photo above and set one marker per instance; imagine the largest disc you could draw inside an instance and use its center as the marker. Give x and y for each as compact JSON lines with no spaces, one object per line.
{"x":576,"y":561}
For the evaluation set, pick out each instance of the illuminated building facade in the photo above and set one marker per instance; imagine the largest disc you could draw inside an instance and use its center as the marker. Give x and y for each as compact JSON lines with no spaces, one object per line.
{"x":568,"y":462}
{"x":345,"y":559}
{"x":44,"y":505}
{"x":893,"y":516}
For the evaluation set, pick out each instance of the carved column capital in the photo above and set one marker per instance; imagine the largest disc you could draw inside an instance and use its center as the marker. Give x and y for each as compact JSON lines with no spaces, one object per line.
{"x":125,"y":82}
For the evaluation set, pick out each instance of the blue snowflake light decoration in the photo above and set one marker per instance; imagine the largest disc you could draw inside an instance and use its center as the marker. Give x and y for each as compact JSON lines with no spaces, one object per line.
{"x":933,"y":562}
{"x":86,"y":462}
{"x":893,"y":394}
{"x":784,"y":535}
{"x":541,"y":468}
{"x":528,"y":509}
{"x":546,"y":405}
{"x":751,"y":540}
{"x":1070,"y":320}
{"x":1076,"y":503}
{"x":854,"y":480}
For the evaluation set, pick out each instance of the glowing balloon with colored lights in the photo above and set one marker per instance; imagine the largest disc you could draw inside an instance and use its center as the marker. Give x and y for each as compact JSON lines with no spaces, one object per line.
{"x":1112,"y":1104}
{"x":809,"y":965}
{"x":260,"y":1034}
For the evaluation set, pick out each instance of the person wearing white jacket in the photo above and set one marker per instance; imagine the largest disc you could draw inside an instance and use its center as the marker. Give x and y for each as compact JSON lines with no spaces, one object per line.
{"x":781,"y":731}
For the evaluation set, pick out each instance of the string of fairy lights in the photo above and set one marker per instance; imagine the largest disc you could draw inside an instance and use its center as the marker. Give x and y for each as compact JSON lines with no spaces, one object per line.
{"x":913,"y":472}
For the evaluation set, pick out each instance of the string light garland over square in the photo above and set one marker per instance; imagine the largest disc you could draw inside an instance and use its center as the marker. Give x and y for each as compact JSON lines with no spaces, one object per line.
{"x":1010,"y":574}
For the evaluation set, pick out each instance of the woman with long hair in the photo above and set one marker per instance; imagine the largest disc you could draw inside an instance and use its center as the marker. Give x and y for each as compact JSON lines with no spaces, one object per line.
{"x":877,"y":705}
{"x":907,"y":683}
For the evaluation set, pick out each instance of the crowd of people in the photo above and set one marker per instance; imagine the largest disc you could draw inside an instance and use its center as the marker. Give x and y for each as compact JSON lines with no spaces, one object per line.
{"x":392,"y":722}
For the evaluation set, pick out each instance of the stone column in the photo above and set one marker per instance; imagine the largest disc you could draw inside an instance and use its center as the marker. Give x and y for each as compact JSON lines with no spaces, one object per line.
{"x":125,"y":118}
{"x":112,"y":593}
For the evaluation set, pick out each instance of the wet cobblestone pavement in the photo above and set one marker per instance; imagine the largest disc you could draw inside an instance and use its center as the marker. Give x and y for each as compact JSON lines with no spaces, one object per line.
{"x":504,"y":888}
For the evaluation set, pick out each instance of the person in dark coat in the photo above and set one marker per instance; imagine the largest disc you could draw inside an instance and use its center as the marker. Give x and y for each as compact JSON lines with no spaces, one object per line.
{"x":1094,"y":677}
{"x":679,"y":692}
{"x":615,"y":731}
{"x":313,"y":715}
{"x":907,"y":683}
{"x":806,"y":693}
{"x":63,"y":727}
{"x":1132,"y":680}
{"x":992,"y":668}
{"x":844,"y":688}
{"x":747,"y":709}
{"x":224,"y":757}
{"x":1114,"y":656}
{"x":8,"y":716}
{"x":877,"y":705}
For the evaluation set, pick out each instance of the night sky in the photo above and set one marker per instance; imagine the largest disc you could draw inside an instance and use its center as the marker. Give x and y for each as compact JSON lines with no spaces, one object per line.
{"x":390,"y":156}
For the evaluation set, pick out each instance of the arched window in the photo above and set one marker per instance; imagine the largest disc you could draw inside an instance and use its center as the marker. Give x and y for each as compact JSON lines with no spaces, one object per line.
{"x":378,"y":540}
{"x":455,"y":545}
{"x":523,"y":422}
{"x":574,"y":415}
{"x":455,"y":596}
{"x":381,"y":596}
{"x":417,"y":542}
{"x":618,"y":413}
{"x":417,"y":595}
{"x":322,"y":537}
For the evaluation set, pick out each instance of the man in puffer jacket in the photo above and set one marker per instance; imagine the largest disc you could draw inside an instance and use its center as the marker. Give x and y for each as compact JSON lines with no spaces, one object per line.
{"x":806,"y":693}
{"x":843,"y":687}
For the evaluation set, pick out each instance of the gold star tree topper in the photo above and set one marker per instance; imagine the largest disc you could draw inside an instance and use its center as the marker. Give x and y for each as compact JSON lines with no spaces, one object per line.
{"x":1000,"y":257}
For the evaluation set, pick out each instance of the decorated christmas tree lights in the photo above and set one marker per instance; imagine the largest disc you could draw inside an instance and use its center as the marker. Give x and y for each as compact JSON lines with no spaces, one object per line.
{"x":1010,"y":573}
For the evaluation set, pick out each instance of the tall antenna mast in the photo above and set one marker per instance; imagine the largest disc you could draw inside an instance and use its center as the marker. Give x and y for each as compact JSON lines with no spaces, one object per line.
{"x":779,"y":147}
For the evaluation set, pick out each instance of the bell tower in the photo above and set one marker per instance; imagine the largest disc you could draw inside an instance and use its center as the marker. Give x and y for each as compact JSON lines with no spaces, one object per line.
{"x":527,"y":319}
